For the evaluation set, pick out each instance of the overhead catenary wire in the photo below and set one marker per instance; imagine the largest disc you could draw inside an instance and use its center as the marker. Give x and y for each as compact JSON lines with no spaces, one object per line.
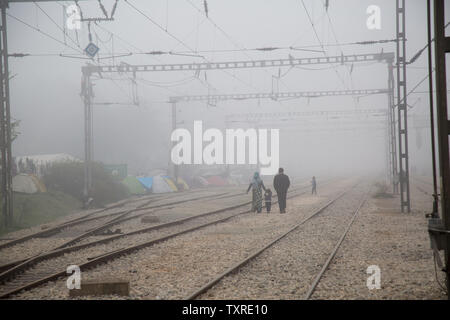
{"x":56,"y":24}
{"x":337,"y":42}
{"x":140,"y":51}
{"x":57,"y":40}
{"x":239,"y":47}
{"x":261,"y":49}
{"x":320,"y":42}
{"x":420,"y":51}
{"x":207,"y":85}
{"x":43,"y":33}
{"x":165,"y":52}
{"x":179,"y":41}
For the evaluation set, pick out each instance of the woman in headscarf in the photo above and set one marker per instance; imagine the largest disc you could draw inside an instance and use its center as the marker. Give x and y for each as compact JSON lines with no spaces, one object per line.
{"x":256,"y":185}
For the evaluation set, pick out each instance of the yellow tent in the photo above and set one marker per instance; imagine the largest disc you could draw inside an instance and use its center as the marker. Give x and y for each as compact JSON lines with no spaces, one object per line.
{"x":183,"y":183}
{"x":38,"y":183}
{"x":170,"y":183}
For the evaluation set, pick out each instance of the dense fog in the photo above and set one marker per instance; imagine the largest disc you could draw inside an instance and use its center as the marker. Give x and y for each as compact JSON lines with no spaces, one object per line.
{"x":132,"y":114}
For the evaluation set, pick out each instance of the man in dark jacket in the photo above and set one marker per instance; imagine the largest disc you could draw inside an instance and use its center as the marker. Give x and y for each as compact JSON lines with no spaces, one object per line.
{"x":281,"y":185}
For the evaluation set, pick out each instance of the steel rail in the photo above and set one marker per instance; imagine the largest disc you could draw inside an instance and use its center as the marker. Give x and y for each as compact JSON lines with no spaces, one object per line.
{"x":116,"y":253}
{"x":66,"y":247}
{"x":84,"y":219}
{"x":238,"y":265}
{"x":123,"y":218}
{"x":335,"y":250}
{"x":9,"y":267}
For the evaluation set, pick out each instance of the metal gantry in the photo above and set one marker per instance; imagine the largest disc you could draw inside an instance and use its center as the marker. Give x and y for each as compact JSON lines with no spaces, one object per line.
{"x":294,"y":114}
{"x":5,"y":122}
{"x":245,"y":64}
{"x":393,"y":171}
{"x":276,"y":96}
{"x":90,"y":69}
{"x":441,"y":47}
{"x":87,"y":95}
{"x":402,"y":107}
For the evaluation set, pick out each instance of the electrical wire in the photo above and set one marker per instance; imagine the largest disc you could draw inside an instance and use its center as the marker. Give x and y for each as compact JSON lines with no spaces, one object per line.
{"x":56,"y":24}
{"x":337,"y":43}
{"x":42,"y":32}
{"x":55,"y":39}
{"x":185,"y":45}
{"x":235,"y":43}
{"x":320,"y":42}
{"x":141,"y":52}
{"x":167,"y":32}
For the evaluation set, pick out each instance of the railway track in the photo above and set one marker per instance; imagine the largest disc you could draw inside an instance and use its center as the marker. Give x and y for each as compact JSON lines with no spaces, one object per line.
{"x":121,"y":217}
{"x":124,"y":216}
{"x":203,"y":290}
{"x":327,"y":263}
{"x":233,"y":269}
{"x":94,"y":229}
{"x":422,"y":180}
{"x":14,"y":280}
{"x":422,"y":188}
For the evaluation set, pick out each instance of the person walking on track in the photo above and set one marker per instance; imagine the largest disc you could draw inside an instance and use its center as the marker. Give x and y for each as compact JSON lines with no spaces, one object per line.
{"x":281,"y":185}
{"x":268,"y":199}
{"x":313,"y":184}
{"x":256,"y":185}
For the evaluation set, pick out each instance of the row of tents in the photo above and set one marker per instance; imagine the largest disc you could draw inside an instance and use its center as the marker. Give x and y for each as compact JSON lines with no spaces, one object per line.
{"x":154,"y":184}
{"x":30,"y":183}
{"x":163,"y":184}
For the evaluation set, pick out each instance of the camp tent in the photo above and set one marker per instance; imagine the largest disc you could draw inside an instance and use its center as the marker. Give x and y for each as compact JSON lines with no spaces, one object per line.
{"x":182,"y":183}
{"x":133,"y":185}
{"x":157,"y":184}
{"x":146,"y":182}
{"x":160,"y":185}
{"x":27,"y":183}
{"x":200,"y":181}
{"x":171,"y":183}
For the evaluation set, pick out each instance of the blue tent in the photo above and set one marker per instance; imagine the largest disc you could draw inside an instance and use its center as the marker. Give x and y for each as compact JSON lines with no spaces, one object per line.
{"x":147,"y":182}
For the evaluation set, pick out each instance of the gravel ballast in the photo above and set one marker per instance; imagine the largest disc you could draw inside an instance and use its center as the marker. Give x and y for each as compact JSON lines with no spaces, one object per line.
{"x":170,"y":270}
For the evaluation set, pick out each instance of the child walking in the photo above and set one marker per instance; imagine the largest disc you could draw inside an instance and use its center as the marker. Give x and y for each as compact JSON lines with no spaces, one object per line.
{"x":268,"y":199}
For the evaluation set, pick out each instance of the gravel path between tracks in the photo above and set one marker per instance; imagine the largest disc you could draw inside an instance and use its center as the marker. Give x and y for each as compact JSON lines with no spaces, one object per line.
{"x":170,"y":270}
{"x":285,"y":270}
{"x":396,"y":242}
{"x":381,"y":235}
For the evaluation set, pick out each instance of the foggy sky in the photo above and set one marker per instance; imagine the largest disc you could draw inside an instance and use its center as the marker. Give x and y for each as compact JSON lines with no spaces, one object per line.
{"x":45,"y":88}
